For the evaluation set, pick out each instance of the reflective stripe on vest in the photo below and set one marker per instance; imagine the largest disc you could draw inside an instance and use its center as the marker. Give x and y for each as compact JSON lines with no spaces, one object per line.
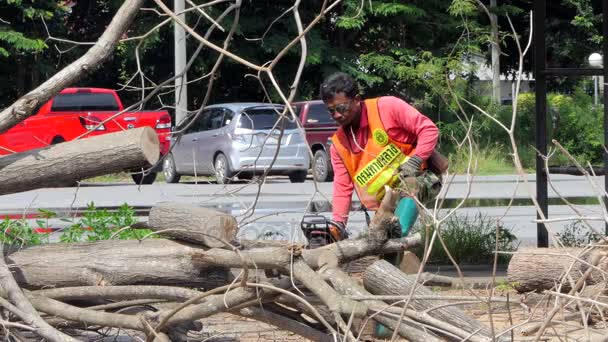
{"x":377,"y":164}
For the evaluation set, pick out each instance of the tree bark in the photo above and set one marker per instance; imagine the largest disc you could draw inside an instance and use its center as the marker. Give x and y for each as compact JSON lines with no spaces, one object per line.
{"x":123,"y":262}
{"x":68,"y":162}
{"x":24,"y":308}
{"x":198,"y":225}
{"x":495,"y":50}
{"x":348,"y":286}
{"x":382,"y":278}
{"x":537,"y":269}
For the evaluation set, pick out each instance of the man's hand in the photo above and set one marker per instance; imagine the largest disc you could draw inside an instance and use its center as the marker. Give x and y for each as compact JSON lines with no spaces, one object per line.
{"x":411,"y":167}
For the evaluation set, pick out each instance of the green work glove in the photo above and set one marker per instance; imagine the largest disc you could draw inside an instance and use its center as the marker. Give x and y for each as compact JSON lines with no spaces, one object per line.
{"x":411,"y":167}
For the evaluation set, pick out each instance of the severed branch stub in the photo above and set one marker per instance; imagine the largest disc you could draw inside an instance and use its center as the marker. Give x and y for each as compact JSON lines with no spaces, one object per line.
{"x":203,"y":226}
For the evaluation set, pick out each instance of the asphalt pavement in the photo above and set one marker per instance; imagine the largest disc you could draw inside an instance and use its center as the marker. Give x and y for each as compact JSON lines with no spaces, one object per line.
{"x":274,"y":209}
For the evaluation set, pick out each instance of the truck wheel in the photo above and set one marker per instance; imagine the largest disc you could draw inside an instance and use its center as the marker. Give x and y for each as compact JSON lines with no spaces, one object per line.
{"x":298,"y":176}
{"x":140,"y":178}
{"x":169,"y":170}
{"x":57,"y":140}
{"x":223,"y":173}
{"x":321,"y":167}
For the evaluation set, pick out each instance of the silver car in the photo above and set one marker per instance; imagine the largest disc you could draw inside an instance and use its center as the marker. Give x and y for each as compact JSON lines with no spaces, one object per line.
{"x":238,"y":140}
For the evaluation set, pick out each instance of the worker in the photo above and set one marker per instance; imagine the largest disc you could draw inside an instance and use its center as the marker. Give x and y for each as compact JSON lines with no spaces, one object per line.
{"x":380,"y":141}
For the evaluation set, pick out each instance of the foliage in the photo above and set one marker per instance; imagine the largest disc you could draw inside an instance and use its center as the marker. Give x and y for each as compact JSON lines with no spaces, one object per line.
{"x":19,"y":233}
{"x":95,"y":224}
{"x":576,"y":235}
{"x":23,"y":50}
{"x":572,"y":116}
{"x":470,"y":240}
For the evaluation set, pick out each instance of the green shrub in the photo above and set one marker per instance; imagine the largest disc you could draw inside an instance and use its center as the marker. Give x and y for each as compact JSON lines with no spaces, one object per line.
{"x":573,"y":120}
{"x":576,"y":235}
{"x":95,"y":224}
{"x":470,"y":240}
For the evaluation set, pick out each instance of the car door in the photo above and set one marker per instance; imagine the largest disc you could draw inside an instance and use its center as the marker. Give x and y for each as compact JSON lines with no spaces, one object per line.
{"x":185,"y":152}
{"x":212,"y":139}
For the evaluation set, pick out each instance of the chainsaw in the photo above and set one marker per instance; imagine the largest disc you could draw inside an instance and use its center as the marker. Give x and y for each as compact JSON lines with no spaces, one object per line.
{"x":320,"y":231}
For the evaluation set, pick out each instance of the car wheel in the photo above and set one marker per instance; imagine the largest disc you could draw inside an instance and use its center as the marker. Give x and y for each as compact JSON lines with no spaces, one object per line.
{"x":223,"y":173}
{"x":321,"y":167}
{"x":298,"y":176}
{"x":169,"y":170}
{"x":140,"y":178}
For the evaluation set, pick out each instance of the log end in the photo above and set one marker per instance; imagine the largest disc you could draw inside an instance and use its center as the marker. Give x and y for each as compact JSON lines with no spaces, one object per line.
{"x":150,"y":145}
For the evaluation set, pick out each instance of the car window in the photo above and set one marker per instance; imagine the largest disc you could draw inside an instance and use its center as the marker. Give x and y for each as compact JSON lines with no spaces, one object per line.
{"x":201,"y":124}
{"x":77,"y":102}
{"x":228,"y":116}
{"x":262,"y":119}
{"x":319,"y":114}
{"x":216,"y":119}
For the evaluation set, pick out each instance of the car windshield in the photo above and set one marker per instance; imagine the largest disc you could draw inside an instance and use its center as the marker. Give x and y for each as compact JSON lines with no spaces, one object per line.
{"x":263,"y":119}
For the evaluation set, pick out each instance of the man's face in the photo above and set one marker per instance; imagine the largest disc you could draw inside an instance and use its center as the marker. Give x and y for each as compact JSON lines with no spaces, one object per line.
{"x":344,"y":110}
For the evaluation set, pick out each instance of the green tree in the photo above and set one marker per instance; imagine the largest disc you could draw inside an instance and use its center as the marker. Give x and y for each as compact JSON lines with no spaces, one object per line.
{"x":23,"y":49}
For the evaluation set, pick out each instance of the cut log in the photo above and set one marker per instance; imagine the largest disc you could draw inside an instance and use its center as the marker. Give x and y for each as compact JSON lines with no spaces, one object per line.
{"x":118,"y":262}
{"x":199,"y":225}
{"x":349,"y":286}
{"x":382,"y":278}
{"x":538,"y":269}
{"x":68,"y":162}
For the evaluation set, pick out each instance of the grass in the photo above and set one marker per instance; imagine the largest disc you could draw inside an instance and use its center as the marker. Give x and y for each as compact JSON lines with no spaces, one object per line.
{"x":125,"y":177}
{"x":487,"y":161}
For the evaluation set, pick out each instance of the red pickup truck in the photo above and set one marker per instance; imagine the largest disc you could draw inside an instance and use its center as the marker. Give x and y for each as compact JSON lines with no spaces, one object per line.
{"x":75,"y":111}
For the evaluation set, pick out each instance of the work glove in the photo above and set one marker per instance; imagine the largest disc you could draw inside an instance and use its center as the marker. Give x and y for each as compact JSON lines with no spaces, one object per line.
{"x":338,"y":230}
{"x":411,"y":167}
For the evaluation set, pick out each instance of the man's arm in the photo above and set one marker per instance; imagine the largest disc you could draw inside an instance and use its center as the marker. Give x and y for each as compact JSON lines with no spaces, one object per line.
{"x":420,"y":128}
{"x":343,"y":188}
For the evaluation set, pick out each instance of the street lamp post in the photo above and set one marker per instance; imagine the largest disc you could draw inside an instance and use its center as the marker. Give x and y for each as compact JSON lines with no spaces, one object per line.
{"x":596,"y":61}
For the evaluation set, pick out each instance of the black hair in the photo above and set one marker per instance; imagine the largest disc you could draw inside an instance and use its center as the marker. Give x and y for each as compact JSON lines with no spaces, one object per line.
{"x":337,"y":83}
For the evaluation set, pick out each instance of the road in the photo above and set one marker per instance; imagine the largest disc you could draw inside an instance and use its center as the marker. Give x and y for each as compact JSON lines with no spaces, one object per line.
{"x":280,"y":204}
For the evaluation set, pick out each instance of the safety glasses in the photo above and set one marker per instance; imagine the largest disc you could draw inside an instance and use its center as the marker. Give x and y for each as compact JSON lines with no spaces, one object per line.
{"x":341,"y":108}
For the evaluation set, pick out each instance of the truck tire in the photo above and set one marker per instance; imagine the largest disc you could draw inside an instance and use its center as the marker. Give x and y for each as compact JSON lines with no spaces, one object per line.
{"x":223,"y":173}
{"x":298,"y":176}
{"x":170,"y":170}
{"x":321,"y":167}
{"x":140,"y":178}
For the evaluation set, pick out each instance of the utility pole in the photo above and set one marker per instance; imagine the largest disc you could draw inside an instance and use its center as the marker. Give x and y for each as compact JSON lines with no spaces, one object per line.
{"x":181,"y":87}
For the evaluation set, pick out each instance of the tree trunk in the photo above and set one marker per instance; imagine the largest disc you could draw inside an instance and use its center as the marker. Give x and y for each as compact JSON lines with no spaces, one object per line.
{"x":537,"y":269}
{"x":115,"y":262}
{"x":495,"y":47}
{"x":382,"y":278}
{"x":198,"y":225}
{"x":95,"y":156}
